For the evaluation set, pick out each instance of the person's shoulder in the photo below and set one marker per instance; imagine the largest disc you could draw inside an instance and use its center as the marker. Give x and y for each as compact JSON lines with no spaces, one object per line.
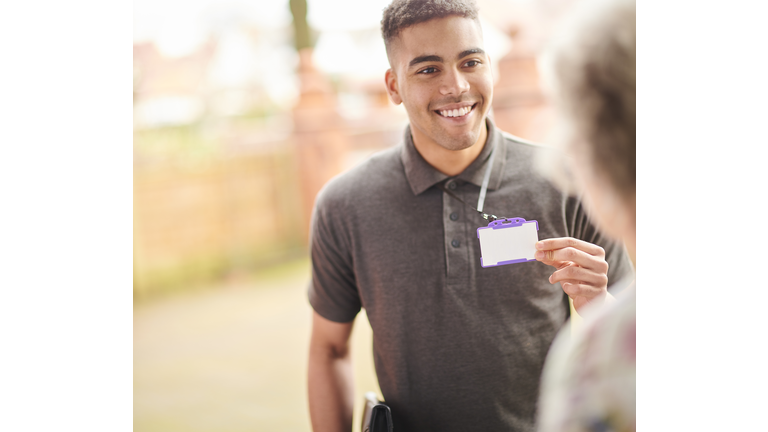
{"x":523,"y":150}
{"x":613,"y":325}
{"x":624,"y":303}
{"x":525,"y":163}
{"x":606,"y":337}
{"x":359,"y":181}
{"x":592,"y":371}
{"x":522,"y":142}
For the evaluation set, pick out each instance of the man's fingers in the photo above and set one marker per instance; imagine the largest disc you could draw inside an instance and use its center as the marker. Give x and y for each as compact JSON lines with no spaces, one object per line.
{"x":548,"y":258}
{"x":570,"y":242}
{"x":583,"y":259}
{"x":579,"y":274}
{"x":581,"y":267}
{"x":575,"y":289}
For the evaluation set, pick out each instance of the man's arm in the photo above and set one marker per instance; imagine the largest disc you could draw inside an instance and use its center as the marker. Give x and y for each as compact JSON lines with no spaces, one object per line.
{"x":330,"y":379}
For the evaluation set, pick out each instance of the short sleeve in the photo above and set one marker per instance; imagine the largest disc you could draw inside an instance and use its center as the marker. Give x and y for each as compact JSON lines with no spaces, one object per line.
{"x":333,"y":289}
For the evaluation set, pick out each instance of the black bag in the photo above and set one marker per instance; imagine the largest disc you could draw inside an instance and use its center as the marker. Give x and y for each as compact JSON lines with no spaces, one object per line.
{"x":377,"y":416}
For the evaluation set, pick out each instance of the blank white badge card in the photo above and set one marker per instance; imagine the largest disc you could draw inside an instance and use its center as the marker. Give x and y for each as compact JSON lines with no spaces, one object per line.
{"x":508,"y":241}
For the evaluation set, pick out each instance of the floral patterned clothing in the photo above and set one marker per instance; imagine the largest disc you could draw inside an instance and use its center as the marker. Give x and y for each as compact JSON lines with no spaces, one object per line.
{"x":588,"y":382}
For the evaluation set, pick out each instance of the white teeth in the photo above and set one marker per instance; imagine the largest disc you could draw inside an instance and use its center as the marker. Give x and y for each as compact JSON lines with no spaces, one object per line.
{"x":456,"y":112}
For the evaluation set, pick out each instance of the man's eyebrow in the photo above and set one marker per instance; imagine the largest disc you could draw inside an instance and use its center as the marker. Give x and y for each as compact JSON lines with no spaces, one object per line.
{"x":436,"y":58}
{"x":425,"y":58}
{"x":468,"y":52}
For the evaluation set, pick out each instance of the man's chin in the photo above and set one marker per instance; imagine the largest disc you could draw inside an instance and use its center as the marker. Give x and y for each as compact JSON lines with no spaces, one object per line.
{"x":458,"y":143}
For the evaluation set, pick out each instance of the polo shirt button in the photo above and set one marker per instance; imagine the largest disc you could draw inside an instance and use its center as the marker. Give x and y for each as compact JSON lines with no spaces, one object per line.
{"x":455,"y":243}
{"x":452,"y":185}
{"x":454,"y":216}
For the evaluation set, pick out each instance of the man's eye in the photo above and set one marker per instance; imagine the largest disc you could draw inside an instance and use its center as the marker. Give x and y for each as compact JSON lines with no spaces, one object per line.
{"x":472,"y":63}
{"x":428,"y":71}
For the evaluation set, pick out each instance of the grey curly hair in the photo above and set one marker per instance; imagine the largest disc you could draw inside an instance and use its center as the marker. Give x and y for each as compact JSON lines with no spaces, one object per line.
{"x":590,"y":67}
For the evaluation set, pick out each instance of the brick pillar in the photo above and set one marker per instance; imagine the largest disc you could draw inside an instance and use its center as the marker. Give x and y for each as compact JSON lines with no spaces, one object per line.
{"x":519,"y":106}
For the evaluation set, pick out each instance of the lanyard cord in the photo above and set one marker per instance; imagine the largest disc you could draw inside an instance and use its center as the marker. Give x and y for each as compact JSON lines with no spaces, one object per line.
{"x":486,"y":179}
{"x":483,"y":189}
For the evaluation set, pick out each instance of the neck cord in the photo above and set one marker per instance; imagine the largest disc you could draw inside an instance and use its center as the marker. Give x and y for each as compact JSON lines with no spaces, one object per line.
{"x":483,"y":189}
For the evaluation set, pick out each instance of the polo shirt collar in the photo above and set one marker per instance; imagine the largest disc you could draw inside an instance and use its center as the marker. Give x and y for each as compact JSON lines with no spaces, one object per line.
{"x":422,"y":176}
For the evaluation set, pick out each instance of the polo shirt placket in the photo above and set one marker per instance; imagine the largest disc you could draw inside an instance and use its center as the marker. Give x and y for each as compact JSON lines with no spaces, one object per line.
{"x":460,"y":222}
{"x":455,"y":235}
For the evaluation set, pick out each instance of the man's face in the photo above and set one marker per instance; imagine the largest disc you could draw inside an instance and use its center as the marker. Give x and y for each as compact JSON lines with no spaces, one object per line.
{"x":443,"y":77}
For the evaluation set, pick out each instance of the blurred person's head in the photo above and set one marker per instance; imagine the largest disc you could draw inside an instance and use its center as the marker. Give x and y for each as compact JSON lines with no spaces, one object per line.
{"x":591,"y":74}
{"x":438,"y":70}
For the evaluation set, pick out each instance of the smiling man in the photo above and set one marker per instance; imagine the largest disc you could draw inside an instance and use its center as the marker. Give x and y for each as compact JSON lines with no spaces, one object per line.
{"x":442,"y":75}
{"x":457,"y":347}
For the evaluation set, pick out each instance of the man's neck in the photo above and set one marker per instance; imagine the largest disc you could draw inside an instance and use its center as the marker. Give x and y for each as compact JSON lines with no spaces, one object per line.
{"x":451,"y":162}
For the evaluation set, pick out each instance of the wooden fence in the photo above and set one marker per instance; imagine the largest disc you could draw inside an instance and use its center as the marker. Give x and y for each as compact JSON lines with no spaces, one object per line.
{"x":195,"y":223}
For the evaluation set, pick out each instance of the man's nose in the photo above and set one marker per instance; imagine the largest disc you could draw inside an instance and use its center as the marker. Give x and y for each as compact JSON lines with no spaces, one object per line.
{"x":454,"y":83}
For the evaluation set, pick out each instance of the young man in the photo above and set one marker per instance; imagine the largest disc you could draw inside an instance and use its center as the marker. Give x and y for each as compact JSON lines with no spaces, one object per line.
{"x":457,"y":347}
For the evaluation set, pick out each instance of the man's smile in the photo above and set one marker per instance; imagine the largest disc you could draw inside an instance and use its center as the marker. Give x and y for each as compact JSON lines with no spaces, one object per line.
{"x":456,"y":110}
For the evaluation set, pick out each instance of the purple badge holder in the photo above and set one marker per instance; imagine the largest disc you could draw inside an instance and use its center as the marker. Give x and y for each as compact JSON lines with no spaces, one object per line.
{"x":508,"y":241}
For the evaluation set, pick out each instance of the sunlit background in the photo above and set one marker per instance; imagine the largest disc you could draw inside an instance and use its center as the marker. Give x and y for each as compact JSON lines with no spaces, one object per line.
{"x":242,"y":111}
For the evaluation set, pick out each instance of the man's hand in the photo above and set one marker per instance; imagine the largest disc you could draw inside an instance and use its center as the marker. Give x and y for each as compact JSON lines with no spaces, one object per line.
{"x":581,"y":268}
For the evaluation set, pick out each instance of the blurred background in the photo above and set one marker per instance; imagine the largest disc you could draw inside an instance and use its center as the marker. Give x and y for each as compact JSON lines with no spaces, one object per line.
{"x":242,"y":111}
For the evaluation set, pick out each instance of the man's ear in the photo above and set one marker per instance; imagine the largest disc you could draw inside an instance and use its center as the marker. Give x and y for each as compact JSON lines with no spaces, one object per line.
{"x":390,"y":79}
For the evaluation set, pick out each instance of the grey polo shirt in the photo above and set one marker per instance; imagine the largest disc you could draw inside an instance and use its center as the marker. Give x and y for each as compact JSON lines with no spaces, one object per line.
{"x":457,"y":347}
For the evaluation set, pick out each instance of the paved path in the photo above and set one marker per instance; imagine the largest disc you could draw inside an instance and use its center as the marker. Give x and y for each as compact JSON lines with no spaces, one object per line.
{"x":233,"y":357}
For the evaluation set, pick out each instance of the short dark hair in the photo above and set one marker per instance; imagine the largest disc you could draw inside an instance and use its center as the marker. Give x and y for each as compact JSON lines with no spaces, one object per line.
{"x":401,"y":14}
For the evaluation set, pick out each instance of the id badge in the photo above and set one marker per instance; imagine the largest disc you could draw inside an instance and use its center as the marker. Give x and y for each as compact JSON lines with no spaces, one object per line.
{"x":508,"y":241}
